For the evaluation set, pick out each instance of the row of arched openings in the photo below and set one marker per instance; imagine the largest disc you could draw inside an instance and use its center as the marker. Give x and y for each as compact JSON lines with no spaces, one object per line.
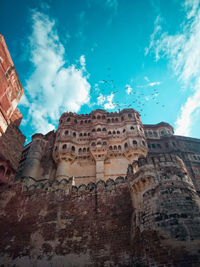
{"x":98,"y":117}
{"x":98,"y":130}
{"x":83,"y":150}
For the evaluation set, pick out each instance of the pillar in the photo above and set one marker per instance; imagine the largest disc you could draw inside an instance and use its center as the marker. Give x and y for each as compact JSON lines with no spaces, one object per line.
{"x":99,"y":170}
{"x":34,"y":156}
{"x":62,"y":170}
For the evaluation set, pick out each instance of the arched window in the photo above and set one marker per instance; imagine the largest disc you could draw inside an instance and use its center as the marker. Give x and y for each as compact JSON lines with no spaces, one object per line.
{"x":80,"y":134}
{"x":116,"y":119}
{"x":122,"y":118}
{"x":74,"y":134}
{"x":115,"y":147}
{"x":114,"y":132}
{"x":56,"y":148}
{"x":88,"y":134}
{"x":132,"y":128}
{"x":84,"y":150}
{"x":104,"y":129}
{"x":64,"y":146}
{"x":81,"y":122}
{"x":93,"y":144}
{"x":73,"y":148}
{"x":93,"y":117}
{"x":125,"y":145}
{"x":89,"y":121}
{"x":155,"y":133}
{"x":134,"y":142}
{"x":85,"y":121}
{"x":98,"y":117}
{"x":124,"y":130}
{"x":88,"y":149}
{"x":80,"y":151}
{"x":162,"y":132}
{"x":93,"y":130}
{"x":103,"y":117}
{"x":75,"y":121}
{"x":113,"y":120}
{"x":110,"y":147}
{"x":98,"y":130}
{"x":118,"y":132}
{"x":130,"y":115}
{"x":85,"y":134}
{"x":68,"y":119}
{"x":104,"y":143}
{"x":119,"y":147}
{"x":66,"y":132}
{"x":98,"y":143}
{"x":149,"y":133}
{"x":108,"y":120}
{"x":109,"y":132}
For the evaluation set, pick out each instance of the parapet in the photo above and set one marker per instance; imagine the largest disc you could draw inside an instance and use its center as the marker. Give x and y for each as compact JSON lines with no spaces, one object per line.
{"x":67,"y":185}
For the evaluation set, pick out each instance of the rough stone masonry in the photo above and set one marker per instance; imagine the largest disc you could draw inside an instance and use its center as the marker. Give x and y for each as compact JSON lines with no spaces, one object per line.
{"x":151,"y":217}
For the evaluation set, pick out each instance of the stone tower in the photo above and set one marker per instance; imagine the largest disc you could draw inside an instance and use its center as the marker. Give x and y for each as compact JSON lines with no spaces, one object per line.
{"x":166,"y":210}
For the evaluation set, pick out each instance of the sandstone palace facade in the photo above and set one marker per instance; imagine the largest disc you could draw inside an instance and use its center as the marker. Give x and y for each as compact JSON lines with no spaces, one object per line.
{"x":104,"y":189}
{"x":100,"y":146}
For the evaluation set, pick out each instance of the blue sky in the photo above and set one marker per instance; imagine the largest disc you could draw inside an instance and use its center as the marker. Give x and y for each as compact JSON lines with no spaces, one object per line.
{"x":113,"y":54}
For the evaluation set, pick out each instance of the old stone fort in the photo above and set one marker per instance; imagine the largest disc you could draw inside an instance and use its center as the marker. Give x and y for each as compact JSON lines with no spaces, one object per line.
{"x":104,"y":189}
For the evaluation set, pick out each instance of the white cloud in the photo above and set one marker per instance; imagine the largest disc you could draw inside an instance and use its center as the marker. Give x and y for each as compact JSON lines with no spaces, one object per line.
{"x":153,"y":84}
{"x":53,"y":87}
{"x":157,"y":29}
{"x":184,"y":120}
{"x":183,"y":52}
{"x":100,"y":99}
{"x":128,"y":89}
{"x":106,"y":101}
{"x":24,"y":101}
{"x":110,"y":104}
{"x":82,"y":62}
{"x":150,"y":84}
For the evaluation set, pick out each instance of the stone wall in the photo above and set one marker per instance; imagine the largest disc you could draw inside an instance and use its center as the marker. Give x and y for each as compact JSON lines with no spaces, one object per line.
{"x":11,"y":145}
{"x":166,"y":218}
{"x":57,"y":224}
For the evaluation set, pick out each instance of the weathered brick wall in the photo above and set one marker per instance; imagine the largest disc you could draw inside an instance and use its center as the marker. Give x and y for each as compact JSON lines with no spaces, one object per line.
{"x":10,"y":88}
{"x":88,"y":226}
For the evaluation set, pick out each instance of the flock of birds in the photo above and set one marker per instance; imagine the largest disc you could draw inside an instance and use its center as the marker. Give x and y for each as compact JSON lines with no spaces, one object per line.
{"x":135,"y":99}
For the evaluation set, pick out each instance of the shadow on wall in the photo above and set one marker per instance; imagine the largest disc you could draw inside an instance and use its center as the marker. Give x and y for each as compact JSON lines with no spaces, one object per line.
{"x":11,"y":146}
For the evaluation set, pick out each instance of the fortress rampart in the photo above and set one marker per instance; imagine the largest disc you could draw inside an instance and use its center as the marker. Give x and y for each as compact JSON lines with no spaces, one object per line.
{"x":166,"y":208}
{"x":104,"y":190}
